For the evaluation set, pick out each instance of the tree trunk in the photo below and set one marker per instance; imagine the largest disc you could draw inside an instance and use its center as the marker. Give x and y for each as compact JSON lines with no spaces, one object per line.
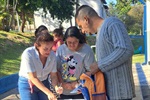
{"x":70,"y":22}
{"x":77,"y":6}
{"x":12,"y":21}
{"x":18,"y":25}
{"x":23,"y":21}
{"x":13,"y":14}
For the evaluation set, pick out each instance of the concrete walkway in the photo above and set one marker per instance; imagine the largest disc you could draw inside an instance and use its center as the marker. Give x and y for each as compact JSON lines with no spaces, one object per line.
{"x":141,"y":78}
{"x":142,"y":81}
{"x":10,"y":95}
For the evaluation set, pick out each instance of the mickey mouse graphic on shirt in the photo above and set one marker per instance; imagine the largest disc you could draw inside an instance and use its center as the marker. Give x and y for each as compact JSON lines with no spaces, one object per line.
{"x":71,"y":67}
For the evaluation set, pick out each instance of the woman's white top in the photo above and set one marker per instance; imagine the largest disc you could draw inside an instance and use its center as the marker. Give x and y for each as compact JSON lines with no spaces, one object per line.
{"x":30,"y":62}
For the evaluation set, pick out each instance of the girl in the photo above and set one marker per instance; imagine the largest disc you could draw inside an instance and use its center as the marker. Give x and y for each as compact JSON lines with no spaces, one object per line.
{"x":58,"y":38}
{"x":74,"y":58}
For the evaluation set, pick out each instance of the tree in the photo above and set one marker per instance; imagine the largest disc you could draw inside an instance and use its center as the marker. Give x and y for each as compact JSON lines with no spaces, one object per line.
{"x":26,"y":8}
{"x":4,"y":15}
{"x":112,"y":10}
{"x":123,"y":6}
{"x":60,"y":9}
{"x":130,"y":12}
{"x":57,"y":8}
{"x":12,"y":11}
{"x":136,"y":13}
{"x":2,"y":7}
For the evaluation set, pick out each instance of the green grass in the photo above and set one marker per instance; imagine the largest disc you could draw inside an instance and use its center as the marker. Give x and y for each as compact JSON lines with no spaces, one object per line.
{"x":11,"y":47}
{"x":138,"y":58}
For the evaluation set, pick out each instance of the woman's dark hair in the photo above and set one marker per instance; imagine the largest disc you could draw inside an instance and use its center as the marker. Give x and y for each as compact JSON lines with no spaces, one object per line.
{"x":40,"y":29}
{"x":73,"y":31}
{"x":43,"y":37}
{"x":58,"y":31}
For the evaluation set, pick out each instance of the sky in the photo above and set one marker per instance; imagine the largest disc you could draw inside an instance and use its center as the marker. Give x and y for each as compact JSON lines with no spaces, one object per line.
{"x":108,"y":1}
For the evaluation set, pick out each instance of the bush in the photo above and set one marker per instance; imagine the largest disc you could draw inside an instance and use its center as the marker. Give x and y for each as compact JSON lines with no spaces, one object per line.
{"x":137,"y":42}
{"x":91,"y":40}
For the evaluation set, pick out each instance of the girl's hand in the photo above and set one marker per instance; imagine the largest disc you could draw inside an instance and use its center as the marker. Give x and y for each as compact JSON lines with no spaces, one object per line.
{"x":67,"y":86}
{"x":74,"y":84}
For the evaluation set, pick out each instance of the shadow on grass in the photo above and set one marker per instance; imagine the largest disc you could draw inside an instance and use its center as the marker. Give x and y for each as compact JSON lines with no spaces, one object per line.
{"x":29,"y":37}
{"x":2,"y":34}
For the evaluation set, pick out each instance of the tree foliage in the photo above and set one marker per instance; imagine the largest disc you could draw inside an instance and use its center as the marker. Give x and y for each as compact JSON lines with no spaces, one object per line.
{"x":136,"y":14}
{"x":112,"y":10}
{"x":60,"y":9}
{"x":130,"y":12}
{"x":4,"y":15}
{"x":57,"y":8}
{"x":2,"y":7}
{"x":123,"y":7}
{"x":25,"y":9}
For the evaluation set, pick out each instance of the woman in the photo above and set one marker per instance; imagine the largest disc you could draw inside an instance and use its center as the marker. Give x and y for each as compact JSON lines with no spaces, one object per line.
{"x":37,"y":63}
{"x":74,"y":58}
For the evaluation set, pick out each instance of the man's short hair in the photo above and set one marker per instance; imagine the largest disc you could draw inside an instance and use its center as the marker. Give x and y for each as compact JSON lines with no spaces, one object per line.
{"x":85,"y":10}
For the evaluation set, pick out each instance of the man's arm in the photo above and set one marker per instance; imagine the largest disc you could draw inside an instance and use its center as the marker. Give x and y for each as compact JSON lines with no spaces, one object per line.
{"x":118,"y":47}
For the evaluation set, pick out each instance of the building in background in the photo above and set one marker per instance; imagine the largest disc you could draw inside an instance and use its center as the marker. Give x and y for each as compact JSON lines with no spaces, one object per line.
{"x":51,"y":23}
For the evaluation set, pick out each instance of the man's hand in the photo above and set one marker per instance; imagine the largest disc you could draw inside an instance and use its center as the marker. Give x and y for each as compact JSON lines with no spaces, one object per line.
{"x":94,"y":68}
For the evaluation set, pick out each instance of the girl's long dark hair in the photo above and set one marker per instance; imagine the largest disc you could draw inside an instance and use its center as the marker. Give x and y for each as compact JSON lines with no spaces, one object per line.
{"x":73,"y":31}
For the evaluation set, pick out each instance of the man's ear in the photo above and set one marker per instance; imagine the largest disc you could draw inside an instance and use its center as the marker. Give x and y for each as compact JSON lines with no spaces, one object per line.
{"x":86,"y":19}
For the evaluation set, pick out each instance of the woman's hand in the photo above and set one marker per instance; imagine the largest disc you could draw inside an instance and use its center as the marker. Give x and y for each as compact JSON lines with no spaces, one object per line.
{"x":51,"y":96}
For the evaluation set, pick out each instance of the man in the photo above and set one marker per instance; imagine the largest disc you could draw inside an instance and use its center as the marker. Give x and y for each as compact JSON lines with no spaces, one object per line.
{"x":114,"y":52}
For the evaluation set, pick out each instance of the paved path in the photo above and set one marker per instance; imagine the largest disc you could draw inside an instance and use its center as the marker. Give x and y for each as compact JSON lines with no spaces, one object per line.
{"x":142,"y":81}
{"x":141,"y":78}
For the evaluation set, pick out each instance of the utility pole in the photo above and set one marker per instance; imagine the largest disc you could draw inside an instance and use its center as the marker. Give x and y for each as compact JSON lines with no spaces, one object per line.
{"x":77,"y":6}
{"x":146,"y":30}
